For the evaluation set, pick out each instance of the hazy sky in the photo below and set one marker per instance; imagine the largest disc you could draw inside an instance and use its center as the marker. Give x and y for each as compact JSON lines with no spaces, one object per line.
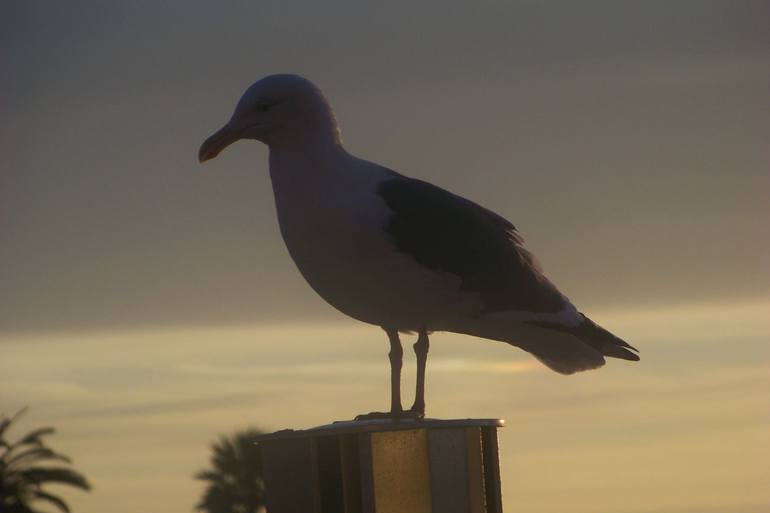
{"x":629,"y":143}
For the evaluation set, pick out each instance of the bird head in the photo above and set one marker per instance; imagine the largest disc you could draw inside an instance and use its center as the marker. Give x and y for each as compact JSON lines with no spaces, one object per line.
{"x":278,"y":109}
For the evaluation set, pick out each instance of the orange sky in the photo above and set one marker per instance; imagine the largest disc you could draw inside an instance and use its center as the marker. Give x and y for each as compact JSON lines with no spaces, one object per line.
{"x":684,"y":430}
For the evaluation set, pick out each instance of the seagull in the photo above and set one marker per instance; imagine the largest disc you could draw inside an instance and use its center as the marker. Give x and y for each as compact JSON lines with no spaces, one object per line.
{"x":401,"y":253}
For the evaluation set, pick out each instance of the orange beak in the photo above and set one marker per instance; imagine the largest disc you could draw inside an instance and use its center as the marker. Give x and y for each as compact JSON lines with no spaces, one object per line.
{"x":220,"y":140}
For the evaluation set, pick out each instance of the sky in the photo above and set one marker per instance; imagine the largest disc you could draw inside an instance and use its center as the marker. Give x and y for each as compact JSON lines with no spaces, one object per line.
{"x":148,"y":302}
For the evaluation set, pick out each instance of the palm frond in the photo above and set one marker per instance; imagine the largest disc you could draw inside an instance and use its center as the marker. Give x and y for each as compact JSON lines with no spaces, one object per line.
{"x":14,"y":500}
{"x":234,"y":480}
{"x":35,"y":454}
{"x":34,"y":436}
{"x":7,"y":421}
{"x":43,"y":475}
{"x":216,"y":500}
{"x":209,"y":475}
{"x":53,"y":499}
{"x":21,"y":482}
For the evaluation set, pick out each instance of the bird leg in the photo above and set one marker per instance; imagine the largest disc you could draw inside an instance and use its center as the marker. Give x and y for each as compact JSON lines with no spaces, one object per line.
{"x":395,"y":355}
{"x":421,"y":351}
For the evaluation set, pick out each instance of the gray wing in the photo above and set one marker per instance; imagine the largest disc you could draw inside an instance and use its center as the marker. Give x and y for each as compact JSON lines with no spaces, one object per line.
{"x":448,"y":233}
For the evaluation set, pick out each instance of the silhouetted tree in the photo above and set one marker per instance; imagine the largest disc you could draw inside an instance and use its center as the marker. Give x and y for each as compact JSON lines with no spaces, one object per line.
{"x":235,"y":483}
{"x":21,"y":476}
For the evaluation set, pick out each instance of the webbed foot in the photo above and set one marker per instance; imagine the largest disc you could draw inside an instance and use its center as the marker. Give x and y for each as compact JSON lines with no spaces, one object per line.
{"x":394,"y":416}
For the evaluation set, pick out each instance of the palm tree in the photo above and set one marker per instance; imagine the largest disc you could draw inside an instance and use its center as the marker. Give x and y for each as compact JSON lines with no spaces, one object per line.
{"x":21,"y":477}
{"x":235,"y":483}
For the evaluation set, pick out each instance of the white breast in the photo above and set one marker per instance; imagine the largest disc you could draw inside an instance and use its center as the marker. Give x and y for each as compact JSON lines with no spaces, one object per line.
{"x":333,"y":221}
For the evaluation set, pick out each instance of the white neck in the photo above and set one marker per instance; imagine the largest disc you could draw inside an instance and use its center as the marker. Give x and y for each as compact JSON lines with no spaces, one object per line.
{"x":305,"y":166}
{"x":299,"y":153}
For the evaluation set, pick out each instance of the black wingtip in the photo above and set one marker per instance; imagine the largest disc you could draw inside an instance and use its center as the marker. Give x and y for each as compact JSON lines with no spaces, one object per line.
{"x":605,"y":342}
{"x":616,"y":351}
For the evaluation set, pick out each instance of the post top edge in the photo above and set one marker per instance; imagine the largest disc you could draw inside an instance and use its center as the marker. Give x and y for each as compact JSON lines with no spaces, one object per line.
{"x":346,"y":427}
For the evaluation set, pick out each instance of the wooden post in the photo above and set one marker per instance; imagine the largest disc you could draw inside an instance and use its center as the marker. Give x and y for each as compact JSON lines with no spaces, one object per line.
{"x":382,"y":466}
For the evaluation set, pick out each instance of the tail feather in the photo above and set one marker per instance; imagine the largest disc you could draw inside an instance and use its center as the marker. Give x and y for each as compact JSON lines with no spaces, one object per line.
{"x":604,"y":341}
{"x":598,"y":338}
{"x":563,"y":348}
